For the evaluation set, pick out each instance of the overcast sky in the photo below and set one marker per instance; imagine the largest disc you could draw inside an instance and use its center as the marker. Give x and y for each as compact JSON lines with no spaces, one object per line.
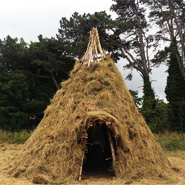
{"x":29,"y":18}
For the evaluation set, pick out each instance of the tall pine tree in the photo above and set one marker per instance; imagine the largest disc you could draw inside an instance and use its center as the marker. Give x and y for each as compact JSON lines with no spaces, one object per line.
{"x":175,"y":88}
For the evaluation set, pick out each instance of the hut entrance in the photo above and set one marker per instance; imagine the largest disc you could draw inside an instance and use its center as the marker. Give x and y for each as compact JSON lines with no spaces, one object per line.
{"x":98,"y":157}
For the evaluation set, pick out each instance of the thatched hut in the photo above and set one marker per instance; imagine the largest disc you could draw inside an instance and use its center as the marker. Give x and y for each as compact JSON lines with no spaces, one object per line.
{"x":94,"y":95}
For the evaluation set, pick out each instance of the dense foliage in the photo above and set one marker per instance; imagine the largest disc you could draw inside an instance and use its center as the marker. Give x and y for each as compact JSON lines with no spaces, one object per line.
{"x":175,"y":88}
{"x":30,"y":75}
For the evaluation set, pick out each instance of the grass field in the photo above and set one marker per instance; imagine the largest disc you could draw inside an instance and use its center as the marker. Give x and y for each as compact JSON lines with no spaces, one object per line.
{"x":172,"y":143}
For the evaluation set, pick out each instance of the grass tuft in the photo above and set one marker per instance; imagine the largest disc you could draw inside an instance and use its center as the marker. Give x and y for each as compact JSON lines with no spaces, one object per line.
{"x":18,"y":138}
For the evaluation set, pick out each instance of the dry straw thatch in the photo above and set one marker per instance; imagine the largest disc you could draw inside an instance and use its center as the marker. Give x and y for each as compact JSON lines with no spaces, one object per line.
{"x":98,"y":92}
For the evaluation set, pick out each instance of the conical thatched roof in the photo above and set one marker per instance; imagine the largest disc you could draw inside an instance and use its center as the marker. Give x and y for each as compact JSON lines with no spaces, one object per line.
{"x":94,"y":92}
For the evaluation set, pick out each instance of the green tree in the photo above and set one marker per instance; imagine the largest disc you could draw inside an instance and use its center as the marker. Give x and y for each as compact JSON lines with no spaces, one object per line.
{"x":175,"y":88}
{"x":158,"y":117}
{"x":49,"y":60}
{"x":74,"y":33}
{"x":149,"y":102}
{"x":168,"y":15}
{"x":182,"y":108}
{"x":30,"y":75}
{"x":137,"y":100}
{"x":14,"y":94}
{"x":139,"y":41}
{"x":13,"y":87}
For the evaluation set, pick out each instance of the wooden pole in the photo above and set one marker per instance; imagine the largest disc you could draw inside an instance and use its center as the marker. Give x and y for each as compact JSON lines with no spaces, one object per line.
{"x":113,"y":153}
{"x":83,"y":141}
{"x":92,"y":48}
{"x":80,"y":176}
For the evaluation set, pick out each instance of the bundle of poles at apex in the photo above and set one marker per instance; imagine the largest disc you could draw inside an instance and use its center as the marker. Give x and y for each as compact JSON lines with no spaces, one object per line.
{"x":92,"y":49}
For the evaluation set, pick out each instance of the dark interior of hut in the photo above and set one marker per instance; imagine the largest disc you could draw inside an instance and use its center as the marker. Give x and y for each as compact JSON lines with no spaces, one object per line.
{"x":98,"y":158}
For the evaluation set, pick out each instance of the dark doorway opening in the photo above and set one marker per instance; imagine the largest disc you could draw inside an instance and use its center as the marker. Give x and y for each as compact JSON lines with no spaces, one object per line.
{"x":98,"y":157}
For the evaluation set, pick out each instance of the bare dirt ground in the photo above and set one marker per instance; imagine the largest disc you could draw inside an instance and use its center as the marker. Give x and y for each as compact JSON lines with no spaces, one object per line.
{"x":176,"y":177}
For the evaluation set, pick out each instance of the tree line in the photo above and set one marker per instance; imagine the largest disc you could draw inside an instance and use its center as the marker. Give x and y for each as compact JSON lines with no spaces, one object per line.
{"x":31,"y":73}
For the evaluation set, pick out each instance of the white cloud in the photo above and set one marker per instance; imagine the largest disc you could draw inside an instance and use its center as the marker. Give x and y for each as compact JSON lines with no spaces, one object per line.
{"x":30,"y":18}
